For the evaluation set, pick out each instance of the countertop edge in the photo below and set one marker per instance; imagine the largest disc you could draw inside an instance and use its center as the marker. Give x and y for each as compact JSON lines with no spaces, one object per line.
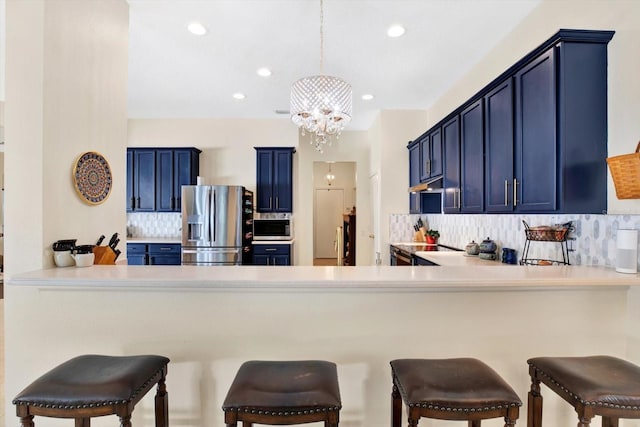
{"x":326,"y":279}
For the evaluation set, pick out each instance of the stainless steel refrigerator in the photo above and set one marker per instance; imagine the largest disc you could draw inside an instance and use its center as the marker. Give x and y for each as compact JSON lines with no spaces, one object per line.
{"x":216,"y":225}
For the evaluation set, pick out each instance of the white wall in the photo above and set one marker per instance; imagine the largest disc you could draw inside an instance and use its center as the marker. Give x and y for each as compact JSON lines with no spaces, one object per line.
{"x":66,"y":81}
{"x":623,"y":16}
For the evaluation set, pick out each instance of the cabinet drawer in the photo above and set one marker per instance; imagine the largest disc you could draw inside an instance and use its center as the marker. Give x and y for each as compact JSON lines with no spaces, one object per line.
{"x":164,"y":249}
{"x":136,"y":248}
{"x":271,"y":249}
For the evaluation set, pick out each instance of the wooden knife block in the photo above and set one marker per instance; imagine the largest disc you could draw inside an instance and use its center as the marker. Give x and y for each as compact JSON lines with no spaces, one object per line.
{"x":104,"y":255}
{"x":419,"y":236}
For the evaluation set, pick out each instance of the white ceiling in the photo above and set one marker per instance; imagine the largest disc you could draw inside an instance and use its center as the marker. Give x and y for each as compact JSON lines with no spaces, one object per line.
{"x":174,"y":74}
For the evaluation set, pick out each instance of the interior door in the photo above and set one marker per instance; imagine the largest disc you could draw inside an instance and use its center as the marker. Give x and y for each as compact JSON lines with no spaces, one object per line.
{"x":329,"y":207}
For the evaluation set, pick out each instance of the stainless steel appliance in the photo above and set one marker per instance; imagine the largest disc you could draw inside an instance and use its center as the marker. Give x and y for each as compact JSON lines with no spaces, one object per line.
{"x":272,"y":229}
{"x":216,"y":225}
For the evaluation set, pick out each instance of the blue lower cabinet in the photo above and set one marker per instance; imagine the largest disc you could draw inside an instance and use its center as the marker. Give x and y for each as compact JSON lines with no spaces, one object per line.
{"x":153,"y":254}
{"x":272,"y":254}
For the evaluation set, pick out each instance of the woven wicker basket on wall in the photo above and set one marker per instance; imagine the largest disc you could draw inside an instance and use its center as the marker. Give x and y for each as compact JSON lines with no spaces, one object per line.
{"x":625,"y":171}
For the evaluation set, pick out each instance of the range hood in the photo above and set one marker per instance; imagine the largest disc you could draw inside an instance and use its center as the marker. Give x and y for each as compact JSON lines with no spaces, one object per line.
{"x":431,"y":184}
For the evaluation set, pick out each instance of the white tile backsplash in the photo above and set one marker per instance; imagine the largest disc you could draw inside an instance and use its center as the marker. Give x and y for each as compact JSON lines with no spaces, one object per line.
{"x":154,"y":224}
{"x":593,"y":239}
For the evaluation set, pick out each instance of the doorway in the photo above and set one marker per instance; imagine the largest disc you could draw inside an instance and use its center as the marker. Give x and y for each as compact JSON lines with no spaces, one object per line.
{"x":334,"y":185}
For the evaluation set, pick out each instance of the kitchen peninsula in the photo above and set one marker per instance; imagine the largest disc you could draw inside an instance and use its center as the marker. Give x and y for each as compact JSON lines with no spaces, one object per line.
{"x":203,"y":317}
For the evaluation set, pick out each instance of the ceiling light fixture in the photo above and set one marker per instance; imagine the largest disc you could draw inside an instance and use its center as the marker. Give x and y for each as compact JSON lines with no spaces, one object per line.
{"x":330,"y":176}
{"x":238,"y":95}
{"x":264,"y":72}
{"x":321,"y":105}
{"x":367,"y":97}
{"x":197,"y":28}
{"x":395,"y":31}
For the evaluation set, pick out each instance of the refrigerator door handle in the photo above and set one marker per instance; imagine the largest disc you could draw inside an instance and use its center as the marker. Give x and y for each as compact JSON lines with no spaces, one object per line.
{"x":212,"y":215}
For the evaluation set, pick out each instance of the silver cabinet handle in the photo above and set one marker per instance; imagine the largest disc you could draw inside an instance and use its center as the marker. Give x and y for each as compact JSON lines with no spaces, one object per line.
{"x":270,"y":202}
{"x":515,"y":192}
{"x":270,"y":250}
{"x":459,"y":198}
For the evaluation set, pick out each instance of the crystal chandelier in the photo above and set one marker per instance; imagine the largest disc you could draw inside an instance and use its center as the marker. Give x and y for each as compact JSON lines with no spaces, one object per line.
{"x":321,"y":105}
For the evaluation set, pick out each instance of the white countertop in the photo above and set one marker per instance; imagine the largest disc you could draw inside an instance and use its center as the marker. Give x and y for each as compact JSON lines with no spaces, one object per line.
{"x":161,"y":240}
{"x":385,"y":278}
{"x":458,"y":259}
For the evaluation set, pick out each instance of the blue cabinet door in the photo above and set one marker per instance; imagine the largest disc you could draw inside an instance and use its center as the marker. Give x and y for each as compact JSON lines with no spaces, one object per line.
{"x":264,"y":180}
{"x":281,"y":260}
{"x":274,"y":179}
{"x":272,"y":254}
{"x":435,"y":160}
{"x":137,"y":259}
{"x":144,"y":180}
{"x":186,"y":167}
{"x":130,"y":197}
{"x":431,"y":155}
{"x":451,"y":180}
{"x":499,"y":156}
{"x":259,"y":259}
{"x":414,"y":176}
{"x":536,"y":156}
{"x":471,"y":159}
{"x":283,"y":182}
{"x":164,"y":181}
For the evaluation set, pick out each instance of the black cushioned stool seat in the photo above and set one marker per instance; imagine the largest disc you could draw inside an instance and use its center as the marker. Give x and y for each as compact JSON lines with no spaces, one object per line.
{"x":593,"y":385}
{"x":450,"y":389}
{"x":283,"y":393}
{"x":94,"y":385}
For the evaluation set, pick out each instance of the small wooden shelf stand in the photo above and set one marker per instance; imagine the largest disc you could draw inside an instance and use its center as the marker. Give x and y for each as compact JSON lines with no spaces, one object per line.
{"x":349,"y":239}
{"x":558,"y":235}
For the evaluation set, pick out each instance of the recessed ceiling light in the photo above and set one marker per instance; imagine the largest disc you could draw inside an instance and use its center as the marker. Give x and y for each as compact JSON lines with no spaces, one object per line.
{"x":264,"y":72}
{"x":367,"y":97}
{"x":395,"y":31}
{"x":238,"y":95}
{"x":197,"y":28}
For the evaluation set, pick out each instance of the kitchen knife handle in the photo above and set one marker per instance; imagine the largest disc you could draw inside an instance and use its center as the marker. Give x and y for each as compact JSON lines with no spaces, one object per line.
{"x":515,"y":192}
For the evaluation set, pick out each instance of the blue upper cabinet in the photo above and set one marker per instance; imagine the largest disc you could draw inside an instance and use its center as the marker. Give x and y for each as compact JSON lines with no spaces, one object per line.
{"x":431,"y":155}
{"x":144,"y":180}
{"x":536,"y":117}
{"x":534,"y":140}
{"x":472,"y":159}
{"x":499,"y":148}
{"x":175,"y":168}
{"x":415,"y":161}
{"x":451,"y":181}
{"x":274,"y":179}
{"x":155,"y":177}
{"x":130,"y":198}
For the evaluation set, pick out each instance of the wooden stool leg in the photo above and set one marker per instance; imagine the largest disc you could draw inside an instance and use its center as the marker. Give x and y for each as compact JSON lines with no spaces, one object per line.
{"x":474,"y":423}
{"x":396,"y":407}
{"x":534,"y":405}
{"x":609,"y":422}
{"x":161,"y":405}
{"x":414,"y":417}
{"x":332,"y":419}
{"x":26,"y":421}
{"x":585,"y":414}
{"x":247,"y":424}
{"x":125,"y":421}
{"x":512,"y":415}
{"x":83,"y":422}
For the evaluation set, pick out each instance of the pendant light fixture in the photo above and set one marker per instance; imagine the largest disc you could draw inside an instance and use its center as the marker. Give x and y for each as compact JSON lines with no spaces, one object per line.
{"x":321,"y":105}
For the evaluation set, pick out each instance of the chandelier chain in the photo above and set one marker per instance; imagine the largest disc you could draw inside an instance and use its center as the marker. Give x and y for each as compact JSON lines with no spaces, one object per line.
{"x":321,"y":38}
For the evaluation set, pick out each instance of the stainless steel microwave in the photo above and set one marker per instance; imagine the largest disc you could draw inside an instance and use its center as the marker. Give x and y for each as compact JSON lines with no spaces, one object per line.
{"x":272,"y":229}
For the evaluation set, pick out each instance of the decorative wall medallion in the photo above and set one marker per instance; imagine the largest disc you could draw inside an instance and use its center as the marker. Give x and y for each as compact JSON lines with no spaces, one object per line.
{"x":92,"y":177}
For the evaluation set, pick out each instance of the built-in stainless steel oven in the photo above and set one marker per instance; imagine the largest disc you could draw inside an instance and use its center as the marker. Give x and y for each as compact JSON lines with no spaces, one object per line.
{"x":400,"y":257}
{"x":272,"y":229}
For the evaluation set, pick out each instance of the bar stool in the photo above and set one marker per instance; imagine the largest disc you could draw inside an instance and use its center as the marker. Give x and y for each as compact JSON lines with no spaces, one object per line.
{"x":92,"y":386}
{"x":450,"y":389}
{"x":593,"y":385}
{"x":283,"y":393}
